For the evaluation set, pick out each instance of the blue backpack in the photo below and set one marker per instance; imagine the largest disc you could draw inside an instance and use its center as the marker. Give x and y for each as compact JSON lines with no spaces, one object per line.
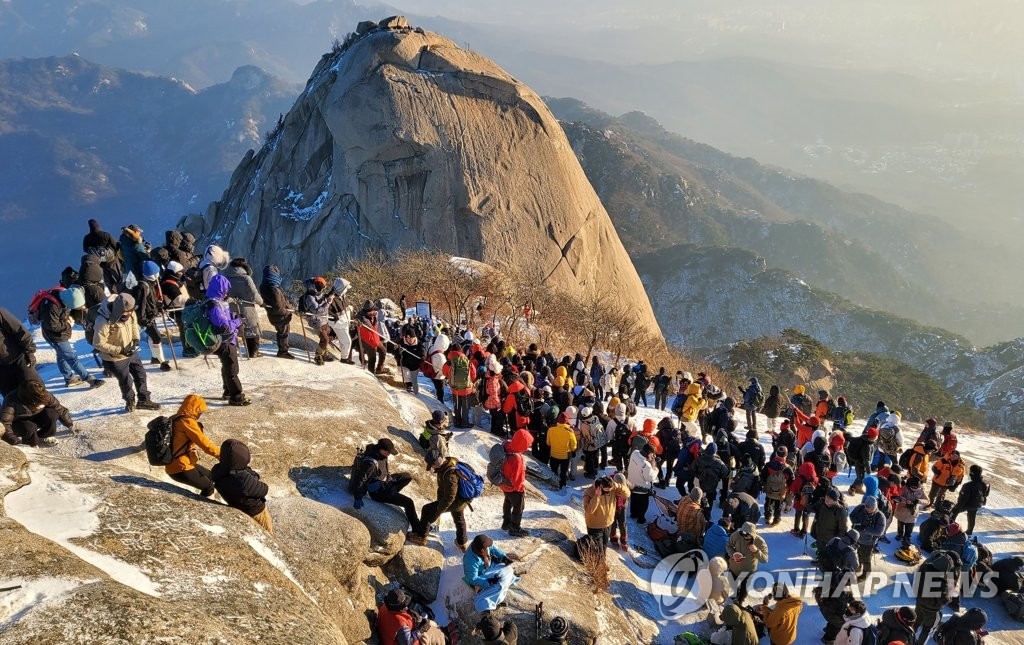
{"x":471,"y":485}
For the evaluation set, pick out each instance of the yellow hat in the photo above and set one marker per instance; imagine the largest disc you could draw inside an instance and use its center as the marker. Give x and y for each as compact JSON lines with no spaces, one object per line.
{"x":799,"y":389}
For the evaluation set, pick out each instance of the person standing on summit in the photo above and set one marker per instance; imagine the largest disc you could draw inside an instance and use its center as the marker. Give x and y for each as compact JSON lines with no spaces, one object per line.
{"x":753,"y":399}
{"x":133,"y":250}
{"x":278,"y":308}
{"x":97,"y":241}
{"x":226,"y":324}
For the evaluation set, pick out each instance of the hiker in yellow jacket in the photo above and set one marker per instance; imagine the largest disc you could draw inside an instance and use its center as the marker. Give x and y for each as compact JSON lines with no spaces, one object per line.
{"x":599,"y":505}
{"x":781,"y":620}
{"x":562,"y":441}
{"x":694,"y":402}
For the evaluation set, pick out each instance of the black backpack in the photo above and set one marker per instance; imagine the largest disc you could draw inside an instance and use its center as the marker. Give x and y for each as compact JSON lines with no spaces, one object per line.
{"x":524,"y":403}
{"x":193,"y":279}
{"x":159,"y":436}
{"x":359,"y":465}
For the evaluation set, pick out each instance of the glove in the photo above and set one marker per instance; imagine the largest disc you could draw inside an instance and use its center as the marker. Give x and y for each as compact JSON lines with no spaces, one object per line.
{"x":130,"y":350}
{"x":358,"y":504}
{"x":494,"y":580}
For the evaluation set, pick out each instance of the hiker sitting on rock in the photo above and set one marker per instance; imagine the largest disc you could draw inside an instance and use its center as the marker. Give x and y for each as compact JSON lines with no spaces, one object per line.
{"x":489,"y":571}
{"x":372,"y":476}
{"x":397,"y":624}
{"x":29,"y":415}
{"x":240,"y":485}
{"x":188,"y":435}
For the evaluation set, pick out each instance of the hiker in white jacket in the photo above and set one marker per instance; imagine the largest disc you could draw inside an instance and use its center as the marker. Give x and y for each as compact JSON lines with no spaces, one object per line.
{"x":640,"y":475}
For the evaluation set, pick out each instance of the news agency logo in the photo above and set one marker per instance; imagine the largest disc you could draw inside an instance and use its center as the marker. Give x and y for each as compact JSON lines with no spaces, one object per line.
{"x":681,"y":583}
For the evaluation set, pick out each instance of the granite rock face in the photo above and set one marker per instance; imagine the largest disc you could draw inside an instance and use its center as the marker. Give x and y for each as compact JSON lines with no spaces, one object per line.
{"x":403,"y":139}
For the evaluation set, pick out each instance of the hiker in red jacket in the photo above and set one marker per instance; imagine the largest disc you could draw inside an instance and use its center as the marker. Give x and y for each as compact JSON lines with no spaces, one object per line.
{"x":514,"y":472}
{"x":516,"y":421}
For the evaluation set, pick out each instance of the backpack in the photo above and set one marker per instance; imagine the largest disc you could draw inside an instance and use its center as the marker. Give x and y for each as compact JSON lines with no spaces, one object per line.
{"x":688,"y":453}
{"x":620,"y":438}
{"x":869,"y":635}
{"x":745,"y":482}
{"x":193,"y":279}
{"x":940,"y":561}
{"x":68,"y":277}
{"x":492,"y":388}
{"x":471,"y":485}
{"x":775,"y":484}
{"x":89,"y":323}
{"x":198,"y":332}
{"x":905,"y":458}
{"x":33,"y":305}
{"x":1014,"y":603}
{"x":759,"y":398}
{"x":460,"y":373}
{"x":359,"y":465}
{"x":829,"y":560}
{"x":806,"y":490}
{"x":159,"y":436}
{"x":639,"y":441}
{"x":524,"y":403}
{"x":887,"y":440}
{"x":496,"y":465}
{"x":839,"y":461}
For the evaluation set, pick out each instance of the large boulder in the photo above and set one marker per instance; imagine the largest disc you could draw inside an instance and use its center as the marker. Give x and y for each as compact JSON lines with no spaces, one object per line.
{"x":116,"y":555}
{"x":417,"y":568}
{"x":404,"y":140}
{"x":387,"y":526}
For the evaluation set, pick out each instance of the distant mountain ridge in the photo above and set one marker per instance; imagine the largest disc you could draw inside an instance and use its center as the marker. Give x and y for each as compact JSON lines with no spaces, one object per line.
{"x":96,"y":141}
{"x":663,"y":189}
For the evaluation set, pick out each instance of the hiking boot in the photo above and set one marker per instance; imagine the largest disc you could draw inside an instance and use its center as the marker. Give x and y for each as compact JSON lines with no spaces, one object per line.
{"x":329,"y":358}
{"x":318,"y":359}
{"x":239,"y":400}
{"x":624,"y":543}
{"x":206,"y":492}
{"x":154,"y":361}
{"x":224,"y":396}
{"x":147,"y":404}
{"x":129,"y":405}
{"x":420,"y":540}
{"x":165,"y":367}
{"x":94,"y":382}
{"x":73,"y":381}
{"x":519,"y":532}
{"x":505,"y":527}
{"x":797,"y":533}
{"x":285,"y":354}
{"x":884,"y":540}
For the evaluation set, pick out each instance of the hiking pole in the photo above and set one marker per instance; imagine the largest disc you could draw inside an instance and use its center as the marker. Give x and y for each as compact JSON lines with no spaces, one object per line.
{"x":170,"y":339}
{"x":5,"y":589}
{"x":305,"y":338}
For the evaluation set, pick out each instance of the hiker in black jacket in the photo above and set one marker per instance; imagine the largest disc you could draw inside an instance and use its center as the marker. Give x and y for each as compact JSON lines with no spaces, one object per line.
{"x":92,"y":280}
{"x":371,"y":476}
{"x":973,"y":496}
{"x":17,"y":354}
{"x":55,"y":322}
{"x":240,"y":485}
{"x":278,"y":308}
{"x":97,"y":240}
{"x":752,"y":448}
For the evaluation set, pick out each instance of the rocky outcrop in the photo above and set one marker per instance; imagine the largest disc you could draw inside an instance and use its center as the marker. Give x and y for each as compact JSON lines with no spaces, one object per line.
{"x":403,"y":139}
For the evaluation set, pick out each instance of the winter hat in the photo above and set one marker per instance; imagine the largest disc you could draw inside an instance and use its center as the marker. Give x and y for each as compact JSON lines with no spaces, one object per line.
{"x":872,"y":433}
{"x":947,"y":427}
{"x":906,"y":615}
{"x":613,"y":403}
{"x":729,"y":403}
{"x":871,"y":503}
{"x":814,"y":421}
{"x":175,"y":267}
{"x":953,"y":529}
{"x":930,"y":423}
{"x":930,"y":446}
{"x":852,"y":536}
{"x":748,"y":529}
{"x":489,"y":627}
{"x":841,"y":401}
{"x":396,"y":599}
{"x":437,"y":416}
{"x":784,"y":425}
{"x":150,"y":270}
{"x":913,"y":483}
{"x":712,"y":448}
{"x":819,"y":443}
{"x":586,"y":412}
{"x":799,"y":389}
{"x":562,"y":418}
{"x":822,"y":394}
{"x":559,"y":627}
{"x":832,"y":494}
{"x":696,"y":495}
{"x":648,"y":426}
{"x":340,"y":286}
{"x":782,"y":451}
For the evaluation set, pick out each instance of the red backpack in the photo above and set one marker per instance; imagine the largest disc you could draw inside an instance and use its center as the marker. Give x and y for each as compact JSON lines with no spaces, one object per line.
{"x":33,"y":305}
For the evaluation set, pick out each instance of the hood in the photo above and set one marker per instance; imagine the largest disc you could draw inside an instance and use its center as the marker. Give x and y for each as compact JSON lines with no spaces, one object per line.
{"x":798,"y":390}
{"x":192,"y":406}
{"x":520,"y":441}
{"x":773,"y":390}
{"x":94,"y":226}
{"x":648,"y":426}
{"x":272,"y":275}
{"x":131,"y":234}
{"x":173,"y":239}
{"x":822,"y":395}
{"x":974,"y":619}
{"x":717,"y":566}
{"x":693,"y":389}
{"x":560,"y":371}
{"x":728,"y":403}
{"x":892,"y":419}
{"x":871,"y":486}
{"x":219,"y":287}
{"x":188,"y":242}
{"x":570,"y":415}
{"x":818,"y":434}
{"x":341,"y":287}
{"x":440,"y":344}
{"x":620,"y":412}
{"x":234,"y":454}
{"x":838,"y":441}
{"x":731,"y":615}
{"x":119,"y":304}
{"x":516,"y":386}
{"x":807,"y":471}
{"x":217,"y":256}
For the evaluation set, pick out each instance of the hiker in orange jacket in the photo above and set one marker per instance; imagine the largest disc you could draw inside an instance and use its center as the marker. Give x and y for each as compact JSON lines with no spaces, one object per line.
{"x":187,"y":439}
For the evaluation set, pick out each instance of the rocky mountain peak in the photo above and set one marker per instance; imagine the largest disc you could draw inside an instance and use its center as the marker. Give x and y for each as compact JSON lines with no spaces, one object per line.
{"x":403,"y":139}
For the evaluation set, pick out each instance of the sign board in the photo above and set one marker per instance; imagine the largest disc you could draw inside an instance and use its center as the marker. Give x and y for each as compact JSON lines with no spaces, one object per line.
{"x":423,"y":309}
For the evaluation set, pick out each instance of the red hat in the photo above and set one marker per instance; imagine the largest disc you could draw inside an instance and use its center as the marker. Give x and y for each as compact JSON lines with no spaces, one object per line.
{"x":872,"y":433}
{"x":952,"y":529}
{"x":784,"y":424}
{"x":648,"y":426}
{"x":814,"y":421}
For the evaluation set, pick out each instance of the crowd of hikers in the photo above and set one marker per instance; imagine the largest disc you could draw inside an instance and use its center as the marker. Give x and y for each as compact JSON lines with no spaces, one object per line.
{"x":574,"y":414}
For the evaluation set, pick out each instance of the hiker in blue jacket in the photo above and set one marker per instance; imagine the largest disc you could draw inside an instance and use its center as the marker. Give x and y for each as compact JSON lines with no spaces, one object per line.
{"x":489,"y":571}
{"x":225,"y":323}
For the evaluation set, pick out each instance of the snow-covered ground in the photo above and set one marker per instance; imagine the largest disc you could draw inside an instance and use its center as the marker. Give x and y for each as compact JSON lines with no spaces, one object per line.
{"x":60,"y":514}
